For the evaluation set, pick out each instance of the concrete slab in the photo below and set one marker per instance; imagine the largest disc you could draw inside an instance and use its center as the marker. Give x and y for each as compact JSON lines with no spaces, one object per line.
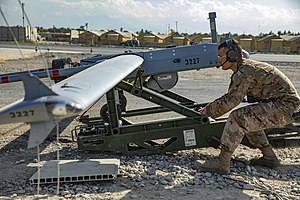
{"x":77,"y":171}
{"x":12,"y":54}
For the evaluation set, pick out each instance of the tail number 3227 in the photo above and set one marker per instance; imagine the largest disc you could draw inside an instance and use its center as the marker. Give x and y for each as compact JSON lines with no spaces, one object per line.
{"x":25,"y":113}
{"x":192,"y":61}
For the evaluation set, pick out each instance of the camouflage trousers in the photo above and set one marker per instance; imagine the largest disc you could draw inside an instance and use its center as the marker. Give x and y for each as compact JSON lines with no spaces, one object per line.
{"x":251,"y":120}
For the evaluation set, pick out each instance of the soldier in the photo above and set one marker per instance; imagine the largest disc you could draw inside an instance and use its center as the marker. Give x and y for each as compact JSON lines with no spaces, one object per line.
{"x":276,"y":97}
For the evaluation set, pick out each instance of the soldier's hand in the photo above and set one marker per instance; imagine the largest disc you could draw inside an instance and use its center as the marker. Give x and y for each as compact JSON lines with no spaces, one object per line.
{"x":202,"y":110}
{"x":78,"y":117}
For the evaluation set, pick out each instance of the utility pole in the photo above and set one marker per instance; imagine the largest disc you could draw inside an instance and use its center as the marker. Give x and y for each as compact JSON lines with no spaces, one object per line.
{"x":23,"y":4}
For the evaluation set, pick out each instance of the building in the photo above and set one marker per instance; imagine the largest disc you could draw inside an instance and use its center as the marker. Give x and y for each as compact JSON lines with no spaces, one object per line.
{"x":75,"y":36}
{"x":114,"y":37}
{"x":91,"y":37}
{"x":247,"y":42}
{"x":264,"y":44}
{"x":293,"y":42}
{"x":198,"y":37}
{"x":57,"y":37}
{"x":195,"y":38}
{"x":176,"y":39}
{"x":279,"y":46}
{"x":206,"y":40}
{"x":151,"y":39}
{"x":20,"y":33}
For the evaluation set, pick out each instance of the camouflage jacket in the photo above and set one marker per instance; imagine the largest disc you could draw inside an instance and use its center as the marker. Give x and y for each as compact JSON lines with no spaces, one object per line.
{"x":260,"y":80}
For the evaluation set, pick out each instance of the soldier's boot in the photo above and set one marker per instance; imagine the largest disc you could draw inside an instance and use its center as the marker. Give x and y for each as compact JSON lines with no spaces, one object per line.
{"x":219,"y":165}
{"x":269,"y":158}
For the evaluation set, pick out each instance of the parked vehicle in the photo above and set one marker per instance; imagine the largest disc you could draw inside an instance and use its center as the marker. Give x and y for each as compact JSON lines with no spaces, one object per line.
{"x":131,"y":43}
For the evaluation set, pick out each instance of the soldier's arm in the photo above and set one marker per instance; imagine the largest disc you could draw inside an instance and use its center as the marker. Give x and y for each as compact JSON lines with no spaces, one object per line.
{"x":238,"y":89}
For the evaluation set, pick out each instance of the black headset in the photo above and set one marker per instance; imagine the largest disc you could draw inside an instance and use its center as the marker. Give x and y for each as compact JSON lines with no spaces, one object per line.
{"x":232,"y":55}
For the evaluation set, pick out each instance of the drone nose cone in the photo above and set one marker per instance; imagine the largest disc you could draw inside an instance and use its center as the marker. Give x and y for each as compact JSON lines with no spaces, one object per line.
{"x":60,"y":107}
{"x":73,"y":108}
{"x":59,"y":110}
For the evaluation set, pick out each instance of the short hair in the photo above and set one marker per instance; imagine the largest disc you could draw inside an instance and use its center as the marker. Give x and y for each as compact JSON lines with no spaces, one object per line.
{"x":236,"y":46}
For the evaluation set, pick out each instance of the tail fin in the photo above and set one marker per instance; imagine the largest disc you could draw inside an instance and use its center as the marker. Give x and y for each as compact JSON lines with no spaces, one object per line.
{"x":39,"y":132}
{"x":34,"y":87}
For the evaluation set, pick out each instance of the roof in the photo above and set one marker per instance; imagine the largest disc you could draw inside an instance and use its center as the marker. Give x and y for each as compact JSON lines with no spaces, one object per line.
{"x":243,"y":36}
{"x":290,"y":38}
{"x":268,"y":37}
{"x":161,"y":36}
{"x":179,"y":37}
{"x":246,"y":39}
{"x":124,"y":34}
{"x":98,"y":33}
{"x":278,"y":39}
{"x":193,"y":37}
{"x":206,"y":38}
{"x":133,"y":33}
{"x":176,"y":35}
{"x":149,"y":34}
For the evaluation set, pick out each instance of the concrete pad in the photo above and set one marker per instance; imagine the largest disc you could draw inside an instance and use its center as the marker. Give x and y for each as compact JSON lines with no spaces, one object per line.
{"x":12,"y":54}
{"x":77,"y":171}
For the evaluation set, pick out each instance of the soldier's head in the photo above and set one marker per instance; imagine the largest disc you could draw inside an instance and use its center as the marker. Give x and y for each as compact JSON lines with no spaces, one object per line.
{"x":230,"y":54}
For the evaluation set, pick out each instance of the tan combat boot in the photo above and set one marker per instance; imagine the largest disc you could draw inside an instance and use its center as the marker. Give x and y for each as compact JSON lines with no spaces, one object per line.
{"x":219,"y":165}
{"x":269,"y":158}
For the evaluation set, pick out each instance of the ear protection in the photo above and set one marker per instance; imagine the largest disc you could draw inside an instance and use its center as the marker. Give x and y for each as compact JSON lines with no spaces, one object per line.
{"x":232,"y":55}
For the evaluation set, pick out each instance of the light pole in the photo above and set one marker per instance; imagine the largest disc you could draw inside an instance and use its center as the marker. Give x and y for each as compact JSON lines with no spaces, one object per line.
{"x":23,"y":4}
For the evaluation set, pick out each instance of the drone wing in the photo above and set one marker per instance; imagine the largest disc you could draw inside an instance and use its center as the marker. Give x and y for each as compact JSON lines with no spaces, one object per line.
{"x":91,"y":84}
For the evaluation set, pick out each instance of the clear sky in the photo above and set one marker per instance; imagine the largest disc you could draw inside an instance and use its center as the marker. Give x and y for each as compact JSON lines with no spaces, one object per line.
{"x":235,"y":16}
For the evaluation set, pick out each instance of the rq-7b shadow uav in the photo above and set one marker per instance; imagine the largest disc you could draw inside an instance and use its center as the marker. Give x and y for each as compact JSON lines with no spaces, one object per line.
{"x":149,"y":75}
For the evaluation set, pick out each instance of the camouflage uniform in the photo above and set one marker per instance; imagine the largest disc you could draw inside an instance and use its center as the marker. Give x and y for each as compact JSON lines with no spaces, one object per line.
{"x":277,"y":100}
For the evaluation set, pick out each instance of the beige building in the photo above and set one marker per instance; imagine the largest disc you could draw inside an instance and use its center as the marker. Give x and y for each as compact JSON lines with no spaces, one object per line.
{"x":75,"y":35}
{"x":203,"y":38}
{"x":247,"y":42}
{"x":20,"y":33}
{"x":152,"y":39}
{"x":106,"y":37}
{"x":279,"y":46}
{"x":197,"y":37}
{"x":264,"y":44}
{"x":206,"y":40}
{"x":176,"y":39}
{"x":113,"y":37}
{"x":292,"y":42}
{"x":91,"y":37}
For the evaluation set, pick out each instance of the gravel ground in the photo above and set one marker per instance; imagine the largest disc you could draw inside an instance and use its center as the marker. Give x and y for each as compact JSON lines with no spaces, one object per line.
{"x":169,"y":176}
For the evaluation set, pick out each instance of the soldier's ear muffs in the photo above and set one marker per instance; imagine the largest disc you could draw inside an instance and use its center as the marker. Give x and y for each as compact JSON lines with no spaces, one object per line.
{"x":232,"y":55}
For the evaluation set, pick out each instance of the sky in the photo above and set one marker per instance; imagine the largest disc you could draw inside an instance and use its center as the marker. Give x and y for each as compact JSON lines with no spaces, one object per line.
{"x":185,"y":16}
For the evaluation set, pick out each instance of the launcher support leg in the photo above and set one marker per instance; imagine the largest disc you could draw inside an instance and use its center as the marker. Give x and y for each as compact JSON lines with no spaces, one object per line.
{"x":113,"y":111}
{"x":161,"y":100}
